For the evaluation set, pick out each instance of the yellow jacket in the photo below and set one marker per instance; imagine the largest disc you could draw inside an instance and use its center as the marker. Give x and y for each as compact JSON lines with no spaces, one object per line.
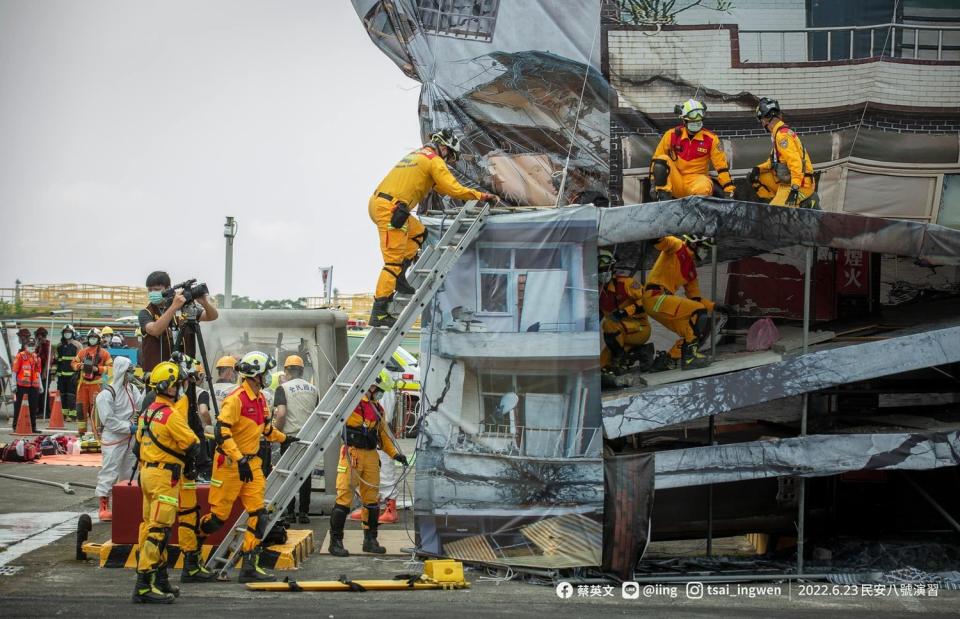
{"x":370,"y":415}
{"x":244,"y":418}
{"x":418,"y":173}
{"x":168,"y":423}
{"x":694,"y":155}
{"x":675,"y":268}
{"x":788,"y":150}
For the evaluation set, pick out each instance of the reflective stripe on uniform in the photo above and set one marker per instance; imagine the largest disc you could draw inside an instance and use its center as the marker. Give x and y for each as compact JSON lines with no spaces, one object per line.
{"x":341,"y":469}
{"x":171,"y":500}
{"x":216,"y":483}
{"x":189,"y":485}
{"x":659,"y":302}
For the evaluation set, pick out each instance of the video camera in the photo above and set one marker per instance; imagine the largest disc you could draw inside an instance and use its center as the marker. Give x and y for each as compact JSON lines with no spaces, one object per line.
{"x":191,"y":290}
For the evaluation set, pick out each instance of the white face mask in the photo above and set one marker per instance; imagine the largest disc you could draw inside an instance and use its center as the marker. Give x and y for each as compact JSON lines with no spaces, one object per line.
{"x":376,"y":396}
{"x":606,"y":276}
{"x":694,"y":125}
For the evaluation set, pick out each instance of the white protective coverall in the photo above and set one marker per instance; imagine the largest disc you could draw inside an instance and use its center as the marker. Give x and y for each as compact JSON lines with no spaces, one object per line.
{"x":117,"y":408}
{"x":388,"y":470}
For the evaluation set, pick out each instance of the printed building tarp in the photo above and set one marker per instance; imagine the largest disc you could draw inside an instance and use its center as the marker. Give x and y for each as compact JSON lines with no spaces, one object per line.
{"x":509,"y":465}
{"x":537,"y":87}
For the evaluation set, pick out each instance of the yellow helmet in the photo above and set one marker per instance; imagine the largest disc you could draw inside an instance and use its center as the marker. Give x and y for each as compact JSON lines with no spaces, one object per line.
{"x":384,"y":381}
{"x":274,"y":380}
{"x":226,"y":362}
{"x":164,"y":374}
{"x":293,"y":360}
{"x":106,"y":331}
{"x":691,"y":110}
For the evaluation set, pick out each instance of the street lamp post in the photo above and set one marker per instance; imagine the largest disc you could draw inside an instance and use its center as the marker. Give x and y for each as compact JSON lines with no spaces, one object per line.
{"x":229,"y":232}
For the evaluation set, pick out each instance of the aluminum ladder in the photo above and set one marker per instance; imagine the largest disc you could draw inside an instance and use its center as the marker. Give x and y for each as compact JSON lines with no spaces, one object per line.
{"x":325,"y":425}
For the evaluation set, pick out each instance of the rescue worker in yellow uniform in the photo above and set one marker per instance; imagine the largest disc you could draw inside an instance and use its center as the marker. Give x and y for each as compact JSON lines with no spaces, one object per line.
{"x":624,"y":322}
{"x":402,"y":235}
{"x":237,"y":469}
{"x":786,"y":177}
{"x":682,"y":159}
{"x":364,"y":432}
{"x":167,"y":449}
{"x":687,"y":316}
{"x":188,"y":516}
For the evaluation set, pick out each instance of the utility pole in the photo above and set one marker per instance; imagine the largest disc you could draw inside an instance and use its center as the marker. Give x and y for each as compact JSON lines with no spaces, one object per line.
{"x":229,"y":232}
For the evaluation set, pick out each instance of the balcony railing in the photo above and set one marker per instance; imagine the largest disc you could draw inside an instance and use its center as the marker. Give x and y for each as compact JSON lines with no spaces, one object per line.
{"x":508,"y":440}
{"x":912,"y":41}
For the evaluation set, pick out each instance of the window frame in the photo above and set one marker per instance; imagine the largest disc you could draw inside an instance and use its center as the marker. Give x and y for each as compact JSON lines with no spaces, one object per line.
{"x":442,"y":11}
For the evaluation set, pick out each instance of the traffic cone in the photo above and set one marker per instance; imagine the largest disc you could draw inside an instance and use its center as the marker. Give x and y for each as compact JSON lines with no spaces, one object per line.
{"x":23,"y":421}
{"x":56,"y":413}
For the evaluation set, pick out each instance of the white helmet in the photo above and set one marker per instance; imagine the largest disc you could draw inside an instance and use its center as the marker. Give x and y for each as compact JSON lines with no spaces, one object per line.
{"x":691,"y":110}
{"x":255,"y":363}
{"x":446,"y":137}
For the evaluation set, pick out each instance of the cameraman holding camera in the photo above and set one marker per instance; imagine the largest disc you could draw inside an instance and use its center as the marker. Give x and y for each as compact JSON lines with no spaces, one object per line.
{"x":163,"y":317}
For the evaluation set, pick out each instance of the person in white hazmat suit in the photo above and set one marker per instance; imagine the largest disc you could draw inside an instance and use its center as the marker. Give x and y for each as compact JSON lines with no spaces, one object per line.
{"x":117,"y":408}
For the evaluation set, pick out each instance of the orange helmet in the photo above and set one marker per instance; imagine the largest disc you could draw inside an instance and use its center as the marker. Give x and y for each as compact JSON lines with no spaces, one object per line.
{"x":293,"y":361}
{"x":226,"y":362}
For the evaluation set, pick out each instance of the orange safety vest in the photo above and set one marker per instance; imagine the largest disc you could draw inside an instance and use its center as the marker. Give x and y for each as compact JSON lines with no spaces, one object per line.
{"x":27,"y":367}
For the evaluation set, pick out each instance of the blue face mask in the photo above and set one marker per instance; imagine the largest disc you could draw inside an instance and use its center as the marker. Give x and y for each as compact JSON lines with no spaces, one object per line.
{"x":155,"y":297}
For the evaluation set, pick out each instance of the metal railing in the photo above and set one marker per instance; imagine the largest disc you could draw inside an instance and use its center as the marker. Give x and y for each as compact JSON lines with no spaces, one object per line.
{"x":510,"y":440}
{"x":54,"y":296}
{"x":849,"y":42}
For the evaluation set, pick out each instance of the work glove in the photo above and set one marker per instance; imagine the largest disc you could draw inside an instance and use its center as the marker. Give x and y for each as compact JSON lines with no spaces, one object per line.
{"x":663,"y":195}
{"x":794,"y":196}
{"x":754,"y":176}
{"x":723,"y":308}
{"x":490,"y":197}
{"x":133,"y":428}
{"x":729,"y":192}
{"x":620,"y":314}
{"x":402,"y":459}
{"x":243,"y":466}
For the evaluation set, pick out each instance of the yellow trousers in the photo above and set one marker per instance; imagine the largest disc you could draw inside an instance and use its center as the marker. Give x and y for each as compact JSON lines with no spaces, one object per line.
{"x":682,"y":185}
{"x":225,"y":487}
{"x":188,"y":521}
{"x":630,"y":333}
{"x":159,"y":513}
{"x":397,"y":245}
{"x":358,"y":467}
{"x":675,"y":313}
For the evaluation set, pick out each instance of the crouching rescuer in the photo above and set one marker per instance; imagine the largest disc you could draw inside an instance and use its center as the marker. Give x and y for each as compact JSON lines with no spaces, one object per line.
{"x":168,"y":451}
{"x":237,"y":469}
{"x":359,"y":465}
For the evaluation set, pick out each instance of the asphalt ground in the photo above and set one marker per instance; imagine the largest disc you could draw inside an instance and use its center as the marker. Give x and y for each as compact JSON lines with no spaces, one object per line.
{"x":49,"y":581}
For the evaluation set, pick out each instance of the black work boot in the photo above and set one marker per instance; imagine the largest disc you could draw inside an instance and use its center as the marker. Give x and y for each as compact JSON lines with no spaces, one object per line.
{"x":403,"y":286}
{"x":338,"y":517}
{"x":370,"y":534}
{"x":690,"y":357}
{"x":145,"y":592}
{"x":380,"y":315}
{"x":162,"y":582}
{"x":193,"y":569}
{"x":251,"y":570}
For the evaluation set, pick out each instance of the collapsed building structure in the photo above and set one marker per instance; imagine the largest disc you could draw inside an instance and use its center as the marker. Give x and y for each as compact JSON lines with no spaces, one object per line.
{"x":797,"y":446}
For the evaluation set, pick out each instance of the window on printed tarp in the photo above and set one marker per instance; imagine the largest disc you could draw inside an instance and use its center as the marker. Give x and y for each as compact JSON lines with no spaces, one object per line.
{"x":530,"y":285}
{"x":393,"y":31}
{"x":468,"y":19}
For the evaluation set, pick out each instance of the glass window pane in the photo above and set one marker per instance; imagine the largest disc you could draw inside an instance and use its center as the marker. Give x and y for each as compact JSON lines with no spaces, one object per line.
{"x":949,"y":214}
{"x":493,"y":293}
{"x":494,"y":258}
{"x":548,"y":258}
{"x":496,"y":383}
{"x":541,"y":384}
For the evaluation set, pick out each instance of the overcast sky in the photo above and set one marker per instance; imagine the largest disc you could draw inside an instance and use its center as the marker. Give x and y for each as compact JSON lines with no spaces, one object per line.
{"x":130,"y":128}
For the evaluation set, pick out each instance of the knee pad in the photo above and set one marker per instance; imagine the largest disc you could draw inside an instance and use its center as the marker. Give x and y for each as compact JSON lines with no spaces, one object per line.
{"x":211,"y":525}
{"x":610,"y":339}
{"x":700,"y":321}
{"x":420,"y":238}
{"x":261,"y":529}
{"x":661,"y":172}
{"x":393,"y":268}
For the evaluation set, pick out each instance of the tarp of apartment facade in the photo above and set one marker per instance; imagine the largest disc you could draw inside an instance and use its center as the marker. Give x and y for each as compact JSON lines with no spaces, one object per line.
{"x":536,"y":87}
{"x":509,"y":466}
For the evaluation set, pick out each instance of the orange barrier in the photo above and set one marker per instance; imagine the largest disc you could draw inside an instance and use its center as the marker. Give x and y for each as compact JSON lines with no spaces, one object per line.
{"x":56,"y":413}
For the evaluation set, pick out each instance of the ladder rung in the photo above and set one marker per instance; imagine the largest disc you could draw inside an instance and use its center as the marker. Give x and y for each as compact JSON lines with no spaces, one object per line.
{"x":423,"y":270}
{"x":283,"y":471}
{"x":345,"y":385}
{"x":363,"y":356}
{"x":240,"y":529}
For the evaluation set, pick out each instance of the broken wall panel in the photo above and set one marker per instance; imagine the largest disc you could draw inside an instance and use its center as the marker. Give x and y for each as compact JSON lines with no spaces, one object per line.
{"x":806,"y":456}
{"x":674,"y":403}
